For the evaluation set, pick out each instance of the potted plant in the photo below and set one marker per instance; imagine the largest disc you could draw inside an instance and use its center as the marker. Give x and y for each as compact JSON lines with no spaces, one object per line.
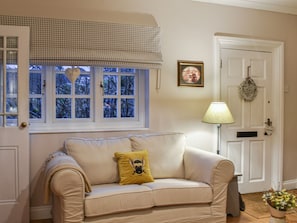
{"x":279,"y":201}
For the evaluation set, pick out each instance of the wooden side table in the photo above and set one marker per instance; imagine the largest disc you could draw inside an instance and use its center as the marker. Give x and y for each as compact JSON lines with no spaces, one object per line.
{"x":233,"y":197}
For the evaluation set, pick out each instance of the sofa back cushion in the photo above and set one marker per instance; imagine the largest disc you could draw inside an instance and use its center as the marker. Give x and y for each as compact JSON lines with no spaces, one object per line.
{"x":96,"y":157}
{"x":166,"y":151}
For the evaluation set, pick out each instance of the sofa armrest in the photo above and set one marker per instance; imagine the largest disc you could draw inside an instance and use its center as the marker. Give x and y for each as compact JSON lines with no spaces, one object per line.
{"x":68,"y":189}
{"x":213,"y":169}
{"x":207,"y":167}
{"x":68,"y":183}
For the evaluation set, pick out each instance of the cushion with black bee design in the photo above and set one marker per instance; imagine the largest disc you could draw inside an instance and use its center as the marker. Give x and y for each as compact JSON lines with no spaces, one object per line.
{"x":134,"y":167}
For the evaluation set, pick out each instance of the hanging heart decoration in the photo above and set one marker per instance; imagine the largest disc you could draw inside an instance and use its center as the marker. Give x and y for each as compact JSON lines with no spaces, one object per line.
{"x":72,"y":74}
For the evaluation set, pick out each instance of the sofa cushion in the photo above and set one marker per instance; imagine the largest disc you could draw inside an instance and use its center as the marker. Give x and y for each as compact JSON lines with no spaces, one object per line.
{"x":96,"y":157}
{"x":166,"y":152}
{"x":179,"y":191}
{"x":134,"y":167}
{"x":114,"y":198}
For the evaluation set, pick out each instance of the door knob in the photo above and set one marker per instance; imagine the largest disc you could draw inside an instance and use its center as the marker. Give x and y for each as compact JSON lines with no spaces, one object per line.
{"x":24,"y":125}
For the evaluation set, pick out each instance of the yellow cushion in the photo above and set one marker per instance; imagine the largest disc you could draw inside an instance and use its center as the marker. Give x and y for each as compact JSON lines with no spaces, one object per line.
{"x":134,"y":167}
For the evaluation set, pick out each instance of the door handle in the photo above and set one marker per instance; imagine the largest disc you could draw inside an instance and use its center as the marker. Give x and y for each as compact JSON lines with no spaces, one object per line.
{"x":268,"y":127}
{"x":23,"y":125}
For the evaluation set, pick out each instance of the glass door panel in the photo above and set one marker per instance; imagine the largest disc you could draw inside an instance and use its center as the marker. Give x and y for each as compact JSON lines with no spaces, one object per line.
{"x":8,"y":81}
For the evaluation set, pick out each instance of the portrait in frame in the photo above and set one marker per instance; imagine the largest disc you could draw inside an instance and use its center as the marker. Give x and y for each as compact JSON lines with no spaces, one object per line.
{"x":190,"y":73}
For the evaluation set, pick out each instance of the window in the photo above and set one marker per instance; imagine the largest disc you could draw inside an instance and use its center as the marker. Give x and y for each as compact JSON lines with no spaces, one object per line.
{"x":98,"y":98}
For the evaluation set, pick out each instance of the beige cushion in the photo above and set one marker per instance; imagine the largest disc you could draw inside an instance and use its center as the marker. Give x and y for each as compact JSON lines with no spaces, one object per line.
{"x":114,"y":198}
{"x":96,"y":157}
{"x":179,"y":191}
{"x":166,"y":152}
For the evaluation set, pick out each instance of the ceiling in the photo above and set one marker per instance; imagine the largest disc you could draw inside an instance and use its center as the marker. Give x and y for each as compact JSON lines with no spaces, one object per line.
{"x":283,"y":6}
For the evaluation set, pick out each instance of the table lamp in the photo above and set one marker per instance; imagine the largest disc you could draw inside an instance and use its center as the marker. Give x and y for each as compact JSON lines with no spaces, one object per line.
{"x":218,"y":113}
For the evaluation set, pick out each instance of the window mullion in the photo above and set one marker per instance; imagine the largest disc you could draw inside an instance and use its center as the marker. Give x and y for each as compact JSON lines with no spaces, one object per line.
{"x":73,"y":98}
{"x":98,"y":94}
{"x":50,"y":94}
{"x":119,"y":97}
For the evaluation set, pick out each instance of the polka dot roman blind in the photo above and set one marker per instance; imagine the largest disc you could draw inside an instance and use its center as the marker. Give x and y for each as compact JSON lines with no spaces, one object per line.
{"x":77,"y":42}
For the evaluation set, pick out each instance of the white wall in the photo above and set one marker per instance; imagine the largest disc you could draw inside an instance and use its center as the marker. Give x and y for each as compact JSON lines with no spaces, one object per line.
{"x":187,"y":32}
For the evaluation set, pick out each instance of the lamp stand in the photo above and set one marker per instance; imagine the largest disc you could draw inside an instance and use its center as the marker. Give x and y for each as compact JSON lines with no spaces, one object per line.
{"x":219,"y":138}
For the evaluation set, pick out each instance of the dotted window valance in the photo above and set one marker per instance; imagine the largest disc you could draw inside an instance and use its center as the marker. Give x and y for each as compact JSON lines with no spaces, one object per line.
{"x":72,"y":42}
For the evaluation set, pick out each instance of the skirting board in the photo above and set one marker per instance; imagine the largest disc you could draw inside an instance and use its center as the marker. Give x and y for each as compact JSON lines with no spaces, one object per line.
{"x":290,"y":184}
{"x":40,"y":212}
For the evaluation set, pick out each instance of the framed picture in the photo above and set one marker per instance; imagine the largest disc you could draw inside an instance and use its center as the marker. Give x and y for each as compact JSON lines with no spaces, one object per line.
{"x":190,"y":73}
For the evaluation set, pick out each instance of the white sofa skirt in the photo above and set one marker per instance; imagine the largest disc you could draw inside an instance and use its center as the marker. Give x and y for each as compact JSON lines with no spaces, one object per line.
{"x":199,"y":213}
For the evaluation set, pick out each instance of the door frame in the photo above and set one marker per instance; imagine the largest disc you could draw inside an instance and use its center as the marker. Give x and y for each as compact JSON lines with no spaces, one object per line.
{"x":277,"y":50}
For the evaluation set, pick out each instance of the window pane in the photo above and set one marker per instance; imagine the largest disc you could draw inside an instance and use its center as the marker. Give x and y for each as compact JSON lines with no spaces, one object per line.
{"x":35,"y":83}
{"x":63,"y":85}
{"x":35,"y":108}
{"x":11,"y":57}
{"x":61,"y":68}
{"x":82,"y":108}
{"x":127,"y":108}
{"x":110,"y":83}
{"x":35,"y":67}
{"x":12,"y":42}
{"x":127,"y":85}
{"x":128,"y":70}
{"x":110,"y":69}
{"x":11,"y":82}
{"x":11,"y":105}
{"x":110,"y":107}
{"x":63,"y":108}
{"x":83,"y":85}
{"x":11,"y":120}
{"x":1,"y":41}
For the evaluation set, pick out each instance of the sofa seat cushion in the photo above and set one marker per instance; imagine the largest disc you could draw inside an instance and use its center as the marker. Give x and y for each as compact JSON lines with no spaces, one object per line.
{"x":114,"y":198}
{"x":179,"y":191}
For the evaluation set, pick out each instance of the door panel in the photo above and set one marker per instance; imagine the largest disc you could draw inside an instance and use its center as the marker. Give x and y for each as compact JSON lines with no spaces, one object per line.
{"x":14,"y":139}
{"x":257,"y":159}
{"x":250,"y":153}
{"x":234,"y":152}
{"x":8,"y":158}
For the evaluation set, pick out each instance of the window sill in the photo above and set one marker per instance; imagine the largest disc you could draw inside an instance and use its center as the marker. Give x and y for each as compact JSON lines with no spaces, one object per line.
{"x":59,"y":128}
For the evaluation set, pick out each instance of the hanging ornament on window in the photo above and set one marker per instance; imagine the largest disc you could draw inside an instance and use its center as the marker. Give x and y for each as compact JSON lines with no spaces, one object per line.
{"x":72,"y":73}
{"x":248,"y":88}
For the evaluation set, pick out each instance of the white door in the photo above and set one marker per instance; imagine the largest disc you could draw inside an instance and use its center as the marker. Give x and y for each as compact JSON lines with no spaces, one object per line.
{"x":14,"y":137}
{"x":247,"y":142}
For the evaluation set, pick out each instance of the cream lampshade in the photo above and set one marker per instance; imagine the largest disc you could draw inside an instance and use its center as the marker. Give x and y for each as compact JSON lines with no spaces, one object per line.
{"x":218,"y":113}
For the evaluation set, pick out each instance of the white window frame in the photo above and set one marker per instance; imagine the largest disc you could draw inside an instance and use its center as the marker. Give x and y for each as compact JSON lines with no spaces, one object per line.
{"x":96,"y":121}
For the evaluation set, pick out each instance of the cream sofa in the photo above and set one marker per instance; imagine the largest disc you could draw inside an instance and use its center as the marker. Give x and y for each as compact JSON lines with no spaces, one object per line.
{"x":190,"y":185}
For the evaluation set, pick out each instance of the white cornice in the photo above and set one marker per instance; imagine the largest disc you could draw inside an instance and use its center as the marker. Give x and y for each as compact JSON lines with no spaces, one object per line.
{"x":282,"y":6}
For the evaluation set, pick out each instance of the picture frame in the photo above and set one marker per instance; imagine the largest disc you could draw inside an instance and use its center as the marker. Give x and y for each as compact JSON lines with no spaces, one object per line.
{"x":190,"y":73}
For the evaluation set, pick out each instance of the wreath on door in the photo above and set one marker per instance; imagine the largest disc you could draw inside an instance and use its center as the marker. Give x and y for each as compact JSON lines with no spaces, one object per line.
{"x":248,"y":89}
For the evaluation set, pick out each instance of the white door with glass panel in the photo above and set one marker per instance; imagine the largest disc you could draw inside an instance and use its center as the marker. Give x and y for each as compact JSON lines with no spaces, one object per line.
{"x":14,"y":137}
{"x":247,"y":141}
